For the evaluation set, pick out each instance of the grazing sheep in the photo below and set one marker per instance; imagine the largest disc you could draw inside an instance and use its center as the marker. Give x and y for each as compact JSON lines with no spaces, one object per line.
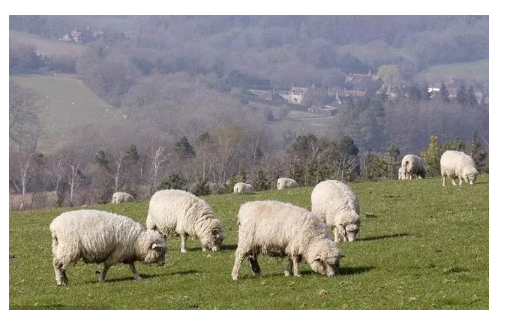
{"x":280,"y":229}
{"x":180,"y":212}
{"x":337,"y":205}
{"x":120,"y":197}
{"x":401,"y":174}
{"x":102,"y":237}
{"x":241,"y":187}
{"x":413,"y":166}
{"x":286,"y":183}
{"x":456,"y":164}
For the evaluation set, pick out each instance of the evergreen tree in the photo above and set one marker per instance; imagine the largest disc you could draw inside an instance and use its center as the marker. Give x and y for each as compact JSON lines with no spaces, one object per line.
{"x":444,"y":94}
{"x":261,"y":180}
{"x":432,"y":156}
{"x":461,"y":95}
{"x":184,"y":149}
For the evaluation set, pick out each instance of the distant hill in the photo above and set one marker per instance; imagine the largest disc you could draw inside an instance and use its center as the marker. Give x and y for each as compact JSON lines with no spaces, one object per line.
{"x":478,"y":70}
{"x":66,"y":103}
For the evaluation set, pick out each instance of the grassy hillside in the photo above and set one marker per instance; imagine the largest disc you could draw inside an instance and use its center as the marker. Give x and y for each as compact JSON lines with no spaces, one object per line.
{"x":421,"y":246}
{"x":66,"y":102}
{"x":478,"y":70}
{"x":47,"y":47}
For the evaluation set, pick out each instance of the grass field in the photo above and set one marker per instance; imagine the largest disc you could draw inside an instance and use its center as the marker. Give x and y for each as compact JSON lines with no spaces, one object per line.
{"x":66,"y":103}
{"x":478,"y":70}
{"x":47,"y":47}
{"x":421,"y":246}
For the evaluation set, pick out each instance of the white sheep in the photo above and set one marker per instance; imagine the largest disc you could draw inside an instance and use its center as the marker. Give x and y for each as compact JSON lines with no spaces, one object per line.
{"x":102,"y":237}
{"x":121,"y":197}
{"x":279,"y":229}
{"x":413,"y":166}
{"x":401,"y":174}
{"x":242,"y":187}
{"x":286,"y":183}
{"x":180,"y":212}
{"x":456,"y":164}
{"x":337,"y":205}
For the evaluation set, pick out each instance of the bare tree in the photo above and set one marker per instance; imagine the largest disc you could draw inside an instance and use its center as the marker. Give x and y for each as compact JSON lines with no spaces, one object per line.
{"x":24,"y":126}
{"x":21,"y":170}
{"x":157,"y":156}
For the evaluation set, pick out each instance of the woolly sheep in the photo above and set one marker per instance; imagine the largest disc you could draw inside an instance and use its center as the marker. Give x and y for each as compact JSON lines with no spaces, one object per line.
{"x":280,"y":229}
{"x":120,"y":197}
{"x":102,"y":237}
{"x":401,"y":174}
{"x":456,"y":164}
{"x":241,"y":187}
{"x":286,"y":183}
{"x":413,"y":166}
{"x":337,"y":206}
{"x":179,"y":212}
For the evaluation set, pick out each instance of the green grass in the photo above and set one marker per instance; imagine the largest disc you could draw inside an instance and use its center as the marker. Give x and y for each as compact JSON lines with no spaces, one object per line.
{"x":478,"y":70}
{"x":421,"y":246}
{"x":47,"y":47}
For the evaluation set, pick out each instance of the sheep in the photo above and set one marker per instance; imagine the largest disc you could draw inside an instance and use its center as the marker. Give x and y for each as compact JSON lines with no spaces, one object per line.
{"x":280,"y":229}
{"x":102,"y":237}
{"x":120,"y":197}
{"x":413,"y":166}
{"x":337,"y":206}
{"x":241,"y":187}
{"x":401,"y":174}
{"x":180,"y":212}
{"x":286,"y":183}
{"x":456,"y":164}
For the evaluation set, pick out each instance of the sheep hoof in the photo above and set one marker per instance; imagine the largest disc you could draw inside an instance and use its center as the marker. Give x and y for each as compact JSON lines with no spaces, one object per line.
{"x":183,"y":250}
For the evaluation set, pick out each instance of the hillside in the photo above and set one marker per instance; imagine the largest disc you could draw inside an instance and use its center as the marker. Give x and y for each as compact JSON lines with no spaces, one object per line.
{"x":421,"y":246}
{"x":47,"y":47}
{"x":478,"y":70}
{"x":66,"y":103}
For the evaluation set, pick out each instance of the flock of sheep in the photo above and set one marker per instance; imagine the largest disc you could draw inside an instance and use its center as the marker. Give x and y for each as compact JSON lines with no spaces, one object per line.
{"x":273,"y":228}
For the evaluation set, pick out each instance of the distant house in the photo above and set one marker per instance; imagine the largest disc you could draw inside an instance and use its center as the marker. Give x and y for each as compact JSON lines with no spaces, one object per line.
{"x":295,"y":95}
{"x":75,"y":35}
{"x":271,"y":96}
{"x":81,"y":36}
{"x":362,"y":84}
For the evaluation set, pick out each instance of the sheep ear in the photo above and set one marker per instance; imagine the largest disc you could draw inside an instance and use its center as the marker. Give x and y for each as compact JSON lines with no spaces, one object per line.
{"x":155,"y":246}
{"x":215,"y":231}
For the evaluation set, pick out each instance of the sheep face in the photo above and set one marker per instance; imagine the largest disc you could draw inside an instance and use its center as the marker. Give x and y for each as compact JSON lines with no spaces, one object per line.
{"x":349,"y":232}
{"x":213,"y":240}
{"x":326,"y":258}
{"x":155,"y":248}
{"x":471,"y":177}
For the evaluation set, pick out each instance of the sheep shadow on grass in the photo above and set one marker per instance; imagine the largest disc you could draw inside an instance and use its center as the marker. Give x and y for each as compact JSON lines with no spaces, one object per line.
{"x":223,"y":248}
{"x":144,"y":276}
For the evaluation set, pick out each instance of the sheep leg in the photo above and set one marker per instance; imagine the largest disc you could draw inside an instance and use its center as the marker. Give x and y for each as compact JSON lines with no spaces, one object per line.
{"x":461,"y":180}
{"x":103,"y":273}
{"x":239,"y":257}
{"x":296,"y":268}
{"x":289,"y":267}
{"x":183,"y":242}
{"x":336,"y":234}
{"x":443,"y":181}
{"x":254,"y":265}
{"x":136,"y":275}
{"x":453,"y":182}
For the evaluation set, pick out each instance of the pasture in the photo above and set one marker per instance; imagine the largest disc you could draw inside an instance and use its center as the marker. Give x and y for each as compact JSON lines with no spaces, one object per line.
{"x":421,"y":246}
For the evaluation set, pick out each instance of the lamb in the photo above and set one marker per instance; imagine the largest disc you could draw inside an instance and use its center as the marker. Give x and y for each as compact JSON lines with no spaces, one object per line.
{"x":120,"y":197}
{"x":456,"y":164}
{"x":102,"y":237}
{"x":179,"y":212}
{"x":413,"y":166}
{"x":286,"y":183}
{"x":337,"y":206}
{"x":241,"y":187}
{"x":279,"y":229}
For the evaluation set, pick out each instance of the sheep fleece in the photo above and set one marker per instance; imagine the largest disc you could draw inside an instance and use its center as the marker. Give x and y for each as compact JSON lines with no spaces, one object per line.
{"x":456,"y":164}
{"x":335,"y":203}
{"x":285,"y":183}
{"x":242,"y":187}
{"x":120,"y":197}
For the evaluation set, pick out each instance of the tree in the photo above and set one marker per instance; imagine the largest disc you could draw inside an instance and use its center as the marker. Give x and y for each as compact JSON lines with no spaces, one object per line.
{"x":157,"y":157}
{"x":432,"y":156}
{"x":21,"y":171}
{"x":480,"y":156}
{"x":461,"y":95}
{"x":390,"y":75}
{"x":184,"y":149}
{"x":393,"y":155}
{"x":444,"y":94}
{"x":24,"y":124}
{"x":471,"y":97}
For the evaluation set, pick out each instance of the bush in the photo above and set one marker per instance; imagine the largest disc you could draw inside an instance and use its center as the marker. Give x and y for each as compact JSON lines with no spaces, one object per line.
{"x":173,"y":181}
{"x":261,"y":180}
{"x":200,"y":188}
